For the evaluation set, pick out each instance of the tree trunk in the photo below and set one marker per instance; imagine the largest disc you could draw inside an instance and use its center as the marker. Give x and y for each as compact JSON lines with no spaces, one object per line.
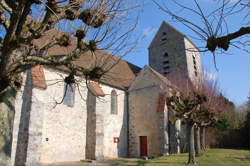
{"x":191,"y":157}
{"x":197,"y":142}
{"x":177,"y":136}
{"x":203,"y":138}
{"x":7,"y":113}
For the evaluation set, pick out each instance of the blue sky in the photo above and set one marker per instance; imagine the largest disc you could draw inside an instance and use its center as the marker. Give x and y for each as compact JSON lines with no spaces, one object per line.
{"x":234,"y":68}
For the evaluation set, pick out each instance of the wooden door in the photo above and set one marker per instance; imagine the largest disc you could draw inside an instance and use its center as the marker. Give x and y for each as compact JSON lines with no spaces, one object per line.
{"x":143,"y":146}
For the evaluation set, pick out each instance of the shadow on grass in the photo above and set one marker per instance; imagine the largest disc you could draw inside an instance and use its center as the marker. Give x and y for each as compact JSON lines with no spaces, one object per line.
{"x":133,"y":163}
{"x":144,"y":163}
{"x":247,"y":158}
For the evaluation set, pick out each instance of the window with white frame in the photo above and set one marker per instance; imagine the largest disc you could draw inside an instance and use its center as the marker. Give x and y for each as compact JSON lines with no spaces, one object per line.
{"x":114,"y":106}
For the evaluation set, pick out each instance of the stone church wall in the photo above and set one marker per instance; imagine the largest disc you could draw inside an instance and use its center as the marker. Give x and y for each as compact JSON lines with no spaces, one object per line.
{"x":167,"y":40}
{"x":144,"y":120}
{"x":190,"y":51}
{"x":50,"y":132}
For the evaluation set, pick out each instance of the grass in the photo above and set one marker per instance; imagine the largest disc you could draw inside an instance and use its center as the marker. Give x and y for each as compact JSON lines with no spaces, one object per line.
{"x":213,"y":157}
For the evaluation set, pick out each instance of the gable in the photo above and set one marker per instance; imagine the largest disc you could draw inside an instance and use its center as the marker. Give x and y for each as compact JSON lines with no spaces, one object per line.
{"x":148,"y":77}
{"x":168,"y":29}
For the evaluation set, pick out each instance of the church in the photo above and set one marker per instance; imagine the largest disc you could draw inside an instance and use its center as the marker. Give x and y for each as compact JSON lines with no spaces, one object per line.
{"x":121,"y":115}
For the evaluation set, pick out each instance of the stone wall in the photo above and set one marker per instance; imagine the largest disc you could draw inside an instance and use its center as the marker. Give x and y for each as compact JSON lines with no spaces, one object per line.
{"x":180,"y":52}
{"x":191,"y":51}
{"x":112,"y":125}
{"x":53,"y":132}
{"x":91,"y":127}
{"x":27,"y":132}
{"x":144,"y":120}
{"x":170,"y":41}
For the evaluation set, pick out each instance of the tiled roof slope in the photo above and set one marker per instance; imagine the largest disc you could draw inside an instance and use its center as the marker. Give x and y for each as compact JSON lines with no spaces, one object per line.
{"x":120,"y":73}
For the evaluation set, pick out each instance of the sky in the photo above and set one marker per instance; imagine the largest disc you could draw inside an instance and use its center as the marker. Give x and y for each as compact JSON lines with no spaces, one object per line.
{"x":233,"y":72}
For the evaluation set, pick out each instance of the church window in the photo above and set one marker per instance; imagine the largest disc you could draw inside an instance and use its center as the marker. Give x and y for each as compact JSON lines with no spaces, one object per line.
{"x":114,"y":106}
{"x":196,"y":73}
{"x":166,"y":72}
{"x":166,"y":62}
{"x":166,"y":67}
{"x":164,"y":36}
{"x":164,"y":39}
{"x":165,"y":54}
{"x":195,"y":67}
{"x":69,"y":95}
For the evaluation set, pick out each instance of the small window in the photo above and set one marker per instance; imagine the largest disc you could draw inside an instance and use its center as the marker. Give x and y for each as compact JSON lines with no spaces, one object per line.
{"x":166,"y":67}
{"x":166,"y":54}
{"x":164,"y":33}
{"x":114,"y":106}
{"x":194,"y":62}
{"x":166,"y":72}
{"x":196,"y":73}
{"x":163,"y":39}
{"x":69,"y":95}
{"x":166,"y":62}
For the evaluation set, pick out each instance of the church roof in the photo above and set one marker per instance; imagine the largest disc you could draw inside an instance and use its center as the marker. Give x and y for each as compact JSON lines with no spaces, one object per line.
{"x":119,"y":73}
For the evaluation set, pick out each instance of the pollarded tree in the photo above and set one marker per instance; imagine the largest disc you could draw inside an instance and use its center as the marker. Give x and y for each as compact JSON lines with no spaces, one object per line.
{"x":187,"y":108}
{"x":198,"y":104}
{"x":210,"y":111}
{"x":82,"y":26}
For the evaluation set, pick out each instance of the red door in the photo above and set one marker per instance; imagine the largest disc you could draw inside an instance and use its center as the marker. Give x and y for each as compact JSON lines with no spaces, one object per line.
{"x":143,"y":146}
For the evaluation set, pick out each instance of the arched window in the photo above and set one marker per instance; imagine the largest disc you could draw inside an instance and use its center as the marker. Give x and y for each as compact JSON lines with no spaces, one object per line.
{"x":165,"y":54}
{"x":114,"y":106}
{"x":69,"y":96}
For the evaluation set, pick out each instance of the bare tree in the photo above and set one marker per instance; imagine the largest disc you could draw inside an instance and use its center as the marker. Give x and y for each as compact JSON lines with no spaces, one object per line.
{"x":211,"y":25}
{"x":81,"y":26}
{"x":209,"y":110}
{"x":186,"y":102}
{"x":198,"y":104}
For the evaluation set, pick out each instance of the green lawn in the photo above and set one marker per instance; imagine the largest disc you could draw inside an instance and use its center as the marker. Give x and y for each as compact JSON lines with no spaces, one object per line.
{"x":213,"y":157}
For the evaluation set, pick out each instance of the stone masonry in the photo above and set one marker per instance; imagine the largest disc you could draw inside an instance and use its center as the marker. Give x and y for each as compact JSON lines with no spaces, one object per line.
{"x":172,"y":52}
{"x":46,"y":132}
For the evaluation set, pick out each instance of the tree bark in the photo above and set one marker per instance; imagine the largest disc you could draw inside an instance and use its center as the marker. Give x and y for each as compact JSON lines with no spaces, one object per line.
{"x":203,"y":138}
{"x":177,"y":136}
{"x":198,"y":151}
{"x":7,"y":113}
{"x":191,"y":157}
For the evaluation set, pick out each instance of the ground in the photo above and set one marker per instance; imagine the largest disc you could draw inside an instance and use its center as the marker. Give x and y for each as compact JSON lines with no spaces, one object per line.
{"x":212,"y":157}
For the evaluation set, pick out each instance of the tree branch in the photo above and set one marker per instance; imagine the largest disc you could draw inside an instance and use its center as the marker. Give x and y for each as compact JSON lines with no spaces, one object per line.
{"x":224,"y":41}
{"x":4,"y":20}
{"x":5,"y":6}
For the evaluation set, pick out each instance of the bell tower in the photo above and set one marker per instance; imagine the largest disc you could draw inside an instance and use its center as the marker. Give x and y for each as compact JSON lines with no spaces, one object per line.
{"x":172,"y":52}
